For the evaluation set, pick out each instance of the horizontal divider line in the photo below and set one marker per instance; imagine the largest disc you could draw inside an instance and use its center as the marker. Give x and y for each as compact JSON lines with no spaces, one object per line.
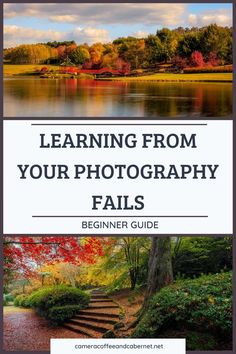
{"x":123,"y":124}
{"x":119,"y":216}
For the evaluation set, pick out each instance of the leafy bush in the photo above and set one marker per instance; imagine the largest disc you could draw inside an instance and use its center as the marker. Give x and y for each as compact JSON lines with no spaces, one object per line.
{"x":59,"y":314}
{"x":43,"y":70}
{"x":7,"y":298}
{"x":22,"y":301}
{"x":203,"y":304}
{"x":45,"y":299}
{"x":196,"y":59}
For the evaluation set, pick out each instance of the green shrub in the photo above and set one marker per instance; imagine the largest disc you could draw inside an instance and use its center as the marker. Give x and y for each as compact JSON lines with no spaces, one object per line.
{"x":22,"y":301}
{"x":57,"y":296}
{"x":59,"y":314}
{"x":203,"y":304}
{"x":7,"y":298}
{"x":5,"y":302}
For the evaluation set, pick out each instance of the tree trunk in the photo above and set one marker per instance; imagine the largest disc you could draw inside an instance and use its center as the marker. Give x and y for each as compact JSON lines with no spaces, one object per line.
{"x":132,"y":275}
{"x":160,"y":271}
{"x":42,"y":280}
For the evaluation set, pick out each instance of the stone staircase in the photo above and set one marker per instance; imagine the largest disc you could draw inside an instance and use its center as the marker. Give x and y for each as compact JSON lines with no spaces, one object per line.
{"x":100,"y":317}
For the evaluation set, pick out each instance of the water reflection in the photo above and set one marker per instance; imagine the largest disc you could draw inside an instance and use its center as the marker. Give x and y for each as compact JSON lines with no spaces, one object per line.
{"x":34,"y":97}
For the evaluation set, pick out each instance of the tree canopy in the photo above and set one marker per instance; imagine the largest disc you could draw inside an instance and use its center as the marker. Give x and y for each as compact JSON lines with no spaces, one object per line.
{"x":163,"y":47}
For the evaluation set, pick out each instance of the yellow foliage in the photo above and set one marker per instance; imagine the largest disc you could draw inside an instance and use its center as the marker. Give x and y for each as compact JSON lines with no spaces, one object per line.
{"x":211,"y":299}
{"x":96,"y":274}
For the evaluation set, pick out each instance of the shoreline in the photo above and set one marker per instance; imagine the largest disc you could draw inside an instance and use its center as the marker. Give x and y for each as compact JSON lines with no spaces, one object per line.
{"x":182,"y":78}
{"x":29,"y":71}
{"x":124,"y":79}
{"x":167,"y":80}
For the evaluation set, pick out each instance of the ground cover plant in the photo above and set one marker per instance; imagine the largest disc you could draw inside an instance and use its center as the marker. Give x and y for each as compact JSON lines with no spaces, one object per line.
{"x":202,"y":305}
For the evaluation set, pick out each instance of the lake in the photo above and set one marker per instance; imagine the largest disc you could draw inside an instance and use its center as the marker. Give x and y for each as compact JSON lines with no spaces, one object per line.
{"x":35,"y":97}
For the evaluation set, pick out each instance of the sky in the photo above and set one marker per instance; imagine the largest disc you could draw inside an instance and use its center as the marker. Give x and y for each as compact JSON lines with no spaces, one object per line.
{"x":90,"y":23}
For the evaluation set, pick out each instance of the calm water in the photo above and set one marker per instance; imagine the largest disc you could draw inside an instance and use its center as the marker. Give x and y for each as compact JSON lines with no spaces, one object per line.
{"x":35,"y":97}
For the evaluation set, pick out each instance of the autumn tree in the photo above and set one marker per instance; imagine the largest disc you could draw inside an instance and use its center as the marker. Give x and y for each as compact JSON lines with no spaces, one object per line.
{"x":96,"y":53}
{"x":25,"y":256}
{"x":31,"y":54}
{"x":212,"y":59}
{"x":179,"y":63}
{"x":196,"y":59}
{"x":131,"y":50}
{"x":123,"y":263}
{"x":164,"y":46}
{"x":109,"y":57}
{"x":61,"y":52}
{"x":61,"y":273}
{"x":122,"y":65}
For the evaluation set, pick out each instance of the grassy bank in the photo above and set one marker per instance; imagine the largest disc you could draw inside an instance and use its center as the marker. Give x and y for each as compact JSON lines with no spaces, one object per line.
{"x":165,"y":77}
{"x":24,"y":69}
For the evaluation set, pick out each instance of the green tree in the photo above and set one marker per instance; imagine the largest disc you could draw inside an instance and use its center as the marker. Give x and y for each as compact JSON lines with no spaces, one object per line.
{"x":188,"y":44}
{"x":79,"y":55}
{"x":154,"y":50}
{"x":218,"y":40}
{"x":169,"y":41}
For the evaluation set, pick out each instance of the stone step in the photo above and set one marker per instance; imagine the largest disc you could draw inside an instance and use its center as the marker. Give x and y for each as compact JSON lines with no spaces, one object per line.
{"x":97,"y":291}
{"x":93,"y":296}
{"x":98,"y":295}
{"x":100,"y":317}
{"x":76,"y":329}
{"x":95,"y":326}
{"x":100,"y":300}
{"x":96,"y":318}
{"x":98,"y":312}
{"x":111,"y":306}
